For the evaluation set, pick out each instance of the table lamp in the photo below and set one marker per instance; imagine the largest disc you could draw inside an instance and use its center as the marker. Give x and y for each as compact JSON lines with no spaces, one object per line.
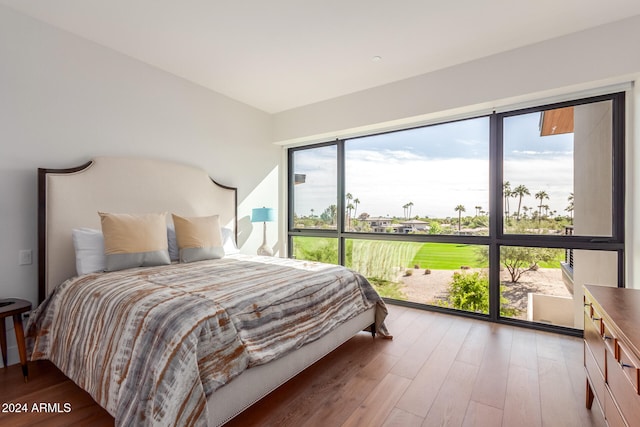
{"x":263,"y":215}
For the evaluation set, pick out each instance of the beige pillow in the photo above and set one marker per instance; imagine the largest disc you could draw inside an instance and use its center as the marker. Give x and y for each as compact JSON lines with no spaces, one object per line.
{"x":199,"y":238}
{"x":134,"y":240}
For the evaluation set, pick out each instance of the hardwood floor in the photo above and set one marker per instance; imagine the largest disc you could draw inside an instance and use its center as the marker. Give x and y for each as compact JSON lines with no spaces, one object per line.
{"x":439,"y":370}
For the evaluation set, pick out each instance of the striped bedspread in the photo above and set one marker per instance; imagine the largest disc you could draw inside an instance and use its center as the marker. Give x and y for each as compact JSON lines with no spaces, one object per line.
{"x":150,"y":344}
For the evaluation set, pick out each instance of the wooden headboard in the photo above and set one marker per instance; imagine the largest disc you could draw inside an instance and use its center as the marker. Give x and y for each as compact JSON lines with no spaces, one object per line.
{"x":71,"y":198}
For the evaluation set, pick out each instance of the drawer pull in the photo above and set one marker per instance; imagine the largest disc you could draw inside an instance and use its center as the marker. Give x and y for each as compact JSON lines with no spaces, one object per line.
{"x":595,"y":318}
{"x":624,"y":365}
{"x":606,"y":337}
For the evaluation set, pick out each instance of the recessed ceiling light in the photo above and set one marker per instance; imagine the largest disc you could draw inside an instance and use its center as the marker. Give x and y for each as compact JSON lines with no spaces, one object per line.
{"x":376,"y":58}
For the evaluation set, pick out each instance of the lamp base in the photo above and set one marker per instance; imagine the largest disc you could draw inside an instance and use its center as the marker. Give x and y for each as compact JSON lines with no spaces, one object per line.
{"x":265,"y":250}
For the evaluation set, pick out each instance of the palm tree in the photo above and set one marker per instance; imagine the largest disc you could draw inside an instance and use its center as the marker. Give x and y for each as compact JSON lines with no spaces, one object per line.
{"x":506,"y":193}
{"x":405,"y":207}
{"x":478,"y":209}
{"x":541,"y":195}
{"x":356,"y":202}
{"x":460,"y":209}
{"x":349,"y":209}
{"x":520,"y":191}
{"x":409,"y":206}
{"x":333,"y":211}
{"x":312,"y":210}
{"x":569,"y":208}
{"x":349,"y":198}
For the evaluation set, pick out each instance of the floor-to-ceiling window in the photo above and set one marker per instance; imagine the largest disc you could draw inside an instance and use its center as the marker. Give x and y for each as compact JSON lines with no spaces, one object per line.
{"x":503,"y":216}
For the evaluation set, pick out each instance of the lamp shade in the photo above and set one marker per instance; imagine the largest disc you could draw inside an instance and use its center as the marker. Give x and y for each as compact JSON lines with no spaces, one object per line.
{"x":262,"y":215}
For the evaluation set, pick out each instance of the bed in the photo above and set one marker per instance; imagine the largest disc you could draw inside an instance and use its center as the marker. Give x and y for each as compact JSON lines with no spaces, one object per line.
{"x":217,"y":347}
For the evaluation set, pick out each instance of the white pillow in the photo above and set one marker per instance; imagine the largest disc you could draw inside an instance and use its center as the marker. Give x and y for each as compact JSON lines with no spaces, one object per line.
{"x":174,"y":252}
{"x":89,"y":246}
{"x":228,"y":241}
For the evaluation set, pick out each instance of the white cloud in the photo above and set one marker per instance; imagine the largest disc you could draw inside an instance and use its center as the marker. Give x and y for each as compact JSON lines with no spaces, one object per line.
{"x":544,"y":153}
{"x":384,"y":181}
{"x":471,"y":142}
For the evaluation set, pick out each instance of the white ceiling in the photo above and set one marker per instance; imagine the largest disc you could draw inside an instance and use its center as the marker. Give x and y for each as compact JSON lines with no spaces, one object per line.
{"x":281,"y":54}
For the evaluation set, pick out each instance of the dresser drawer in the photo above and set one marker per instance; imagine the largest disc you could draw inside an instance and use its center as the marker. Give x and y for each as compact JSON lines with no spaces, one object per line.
{"x":612,"y":413}
{"x":623,"y":390}
{"x":612,"y":314}
{"x":609,"y":337}
{"x":629,"y":365}
{"x":593,"y":339}
{"x":594,"y":375}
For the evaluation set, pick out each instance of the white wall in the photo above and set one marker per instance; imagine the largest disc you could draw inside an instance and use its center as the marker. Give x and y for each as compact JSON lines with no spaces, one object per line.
{"x":592,"y":212}
{"x":592,"y":58}
{"x":64,"y":100}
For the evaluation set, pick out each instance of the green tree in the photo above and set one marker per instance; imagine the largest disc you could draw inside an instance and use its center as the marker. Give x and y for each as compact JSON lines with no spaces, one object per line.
{"x":542,"y":195}
{"x":434,"y":228}
{"x":569,"y":207}
{"x":506,"y":194}
{"x":329,"y":214}
{"x":460,"y":209}
{"x":470,"y":292}
{"x":407,"y":209}
{"x":520,"y":191}
{"x":348,"y":208}
{"x":518,"y":260}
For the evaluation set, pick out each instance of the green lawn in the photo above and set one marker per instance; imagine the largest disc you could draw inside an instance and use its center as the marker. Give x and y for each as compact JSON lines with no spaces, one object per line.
{"x":446,"y":256}
{"x":436,"y":256}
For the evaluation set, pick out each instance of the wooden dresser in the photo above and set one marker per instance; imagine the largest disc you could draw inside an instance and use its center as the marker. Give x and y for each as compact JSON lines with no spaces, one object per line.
{"x":611,"y":352}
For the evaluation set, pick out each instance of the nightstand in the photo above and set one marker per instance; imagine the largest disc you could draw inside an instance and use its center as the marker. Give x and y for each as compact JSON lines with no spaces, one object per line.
{"x":14,"y":307}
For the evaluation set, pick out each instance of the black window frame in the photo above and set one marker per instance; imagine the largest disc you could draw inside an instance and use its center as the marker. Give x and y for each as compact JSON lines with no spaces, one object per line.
{"x":497,"y":237}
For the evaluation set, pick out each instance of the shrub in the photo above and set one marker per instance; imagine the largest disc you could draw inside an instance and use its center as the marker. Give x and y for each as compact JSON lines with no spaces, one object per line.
{"x":387,"y":288}
{"x":324,"y":252}
{"x":470,"y":292}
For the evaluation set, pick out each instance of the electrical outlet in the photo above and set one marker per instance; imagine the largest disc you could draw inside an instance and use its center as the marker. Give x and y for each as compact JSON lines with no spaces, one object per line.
{"x":24,"y":257}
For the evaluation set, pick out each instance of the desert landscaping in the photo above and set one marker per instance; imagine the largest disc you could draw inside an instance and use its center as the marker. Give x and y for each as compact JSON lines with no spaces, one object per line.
{"x":433,"y":287}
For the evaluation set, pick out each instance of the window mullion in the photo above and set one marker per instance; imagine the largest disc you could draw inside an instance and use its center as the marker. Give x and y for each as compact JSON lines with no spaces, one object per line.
{"x":495,"y":212}
{"x":341,"y":202}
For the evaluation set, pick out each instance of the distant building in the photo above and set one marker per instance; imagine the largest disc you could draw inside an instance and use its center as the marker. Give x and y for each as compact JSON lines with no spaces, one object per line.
{"x":414,"y":225}
{"x":382,"y":224}
{"x":379,"y":224}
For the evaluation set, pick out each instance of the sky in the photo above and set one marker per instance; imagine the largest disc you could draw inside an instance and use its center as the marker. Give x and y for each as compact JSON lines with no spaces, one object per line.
{"x":438,"y":168}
